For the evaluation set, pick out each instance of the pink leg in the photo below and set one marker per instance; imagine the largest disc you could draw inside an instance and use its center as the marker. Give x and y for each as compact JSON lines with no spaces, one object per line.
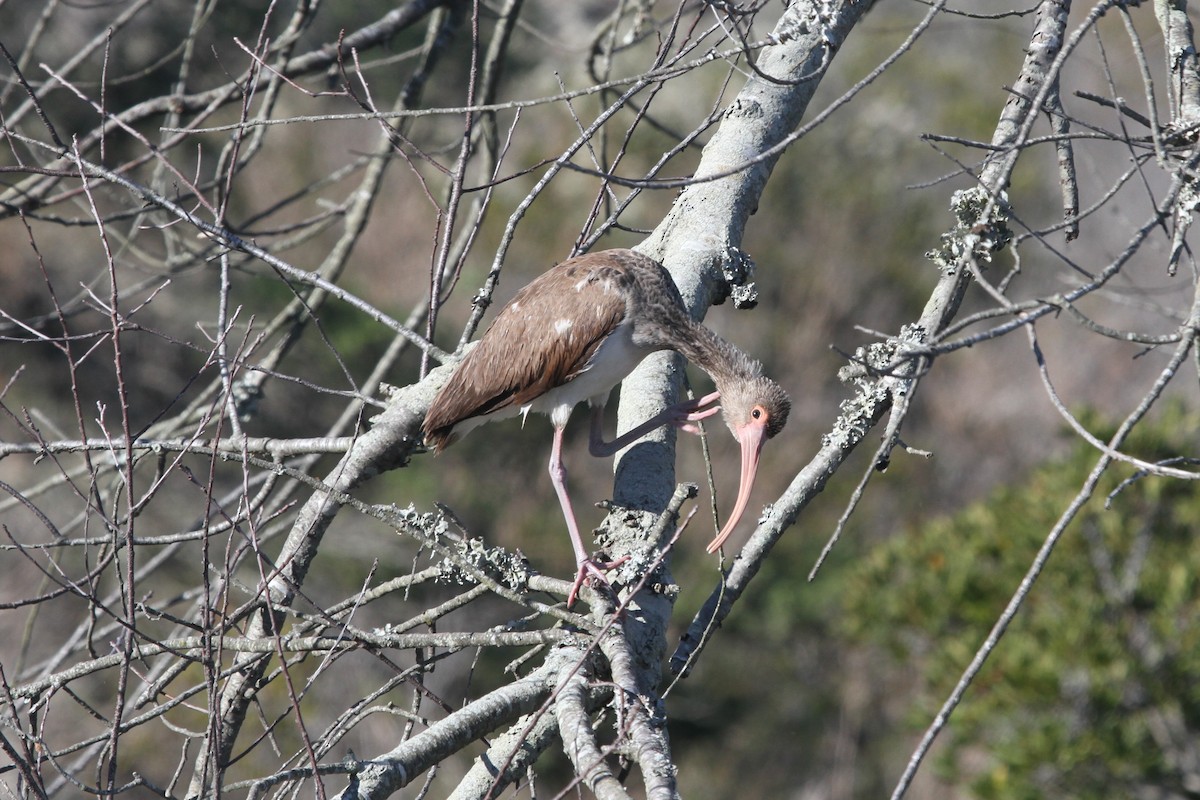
{"x":681,"y":415}
{"x":587,"y":568}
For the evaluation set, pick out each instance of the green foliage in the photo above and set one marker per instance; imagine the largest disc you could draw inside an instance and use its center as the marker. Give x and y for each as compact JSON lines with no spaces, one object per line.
{"x":1093,"y":691}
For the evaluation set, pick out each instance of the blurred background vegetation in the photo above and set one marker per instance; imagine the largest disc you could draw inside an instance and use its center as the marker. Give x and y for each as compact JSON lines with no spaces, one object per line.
{"x":1093,"y":691}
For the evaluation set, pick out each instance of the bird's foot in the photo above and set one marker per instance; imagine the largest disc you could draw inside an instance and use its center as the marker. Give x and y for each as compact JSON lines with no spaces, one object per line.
{"x":684,"y":415}
{"x":592,"y":572}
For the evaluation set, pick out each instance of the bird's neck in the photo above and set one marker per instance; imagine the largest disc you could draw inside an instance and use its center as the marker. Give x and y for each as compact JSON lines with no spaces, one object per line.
{"x":723,"y":361}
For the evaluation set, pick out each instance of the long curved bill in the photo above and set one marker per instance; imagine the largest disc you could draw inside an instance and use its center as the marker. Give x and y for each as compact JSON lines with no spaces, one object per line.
{"x":751,"y":438}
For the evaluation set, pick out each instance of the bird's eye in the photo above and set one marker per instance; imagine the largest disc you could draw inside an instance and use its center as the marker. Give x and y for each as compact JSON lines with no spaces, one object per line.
{"x":758,"y":412}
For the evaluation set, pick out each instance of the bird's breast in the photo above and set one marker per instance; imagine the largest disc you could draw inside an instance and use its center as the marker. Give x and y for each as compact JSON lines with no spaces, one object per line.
{"x":614,"y":359}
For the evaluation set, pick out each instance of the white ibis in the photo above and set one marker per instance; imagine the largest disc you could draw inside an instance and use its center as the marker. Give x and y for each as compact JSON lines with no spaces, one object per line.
{"x":574,"y":333}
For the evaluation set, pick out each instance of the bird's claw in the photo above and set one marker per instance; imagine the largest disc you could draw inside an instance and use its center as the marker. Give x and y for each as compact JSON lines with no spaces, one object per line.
{"x":592,"y":572}
{"x":685,"y":414}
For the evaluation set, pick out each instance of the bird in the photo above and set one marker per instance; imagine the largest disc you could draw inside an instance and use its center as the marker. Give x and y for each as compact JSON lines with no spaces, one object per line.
{"x":570,"y":336}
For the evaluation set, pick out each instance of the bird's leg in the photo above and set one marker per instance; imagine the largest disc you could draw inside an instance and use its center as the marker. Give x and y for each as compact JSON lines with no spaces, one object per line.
{"x":682,"y":415}
{"x":586,"y":566}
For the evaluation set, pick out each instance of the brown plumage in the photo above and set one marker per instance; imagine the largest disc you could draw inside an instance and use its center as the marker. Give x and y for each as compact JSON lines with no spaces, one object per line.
{"x":575,"y":332}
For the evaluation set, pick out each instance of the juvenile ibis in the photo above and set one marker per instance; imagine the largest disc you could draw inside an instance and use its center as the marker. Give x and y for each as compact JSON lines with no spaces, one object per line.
{"x":574,"y":333}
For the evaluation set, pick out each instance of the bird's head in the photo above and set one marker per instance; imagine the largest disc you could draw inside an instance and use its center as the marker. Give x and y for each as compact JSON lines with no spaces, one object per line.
{"x":755,"y":410}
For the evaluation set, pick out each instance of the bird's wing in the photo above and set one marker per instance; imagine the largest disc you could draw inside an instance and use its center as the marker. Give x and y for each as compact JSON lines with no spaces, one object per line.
{"x":543,"y":338}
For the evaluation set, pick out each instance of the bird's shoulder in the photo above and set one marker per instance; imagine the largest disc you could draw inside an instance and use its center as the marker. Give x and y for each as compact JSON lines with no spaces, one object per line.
{"x":566,"y":308}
